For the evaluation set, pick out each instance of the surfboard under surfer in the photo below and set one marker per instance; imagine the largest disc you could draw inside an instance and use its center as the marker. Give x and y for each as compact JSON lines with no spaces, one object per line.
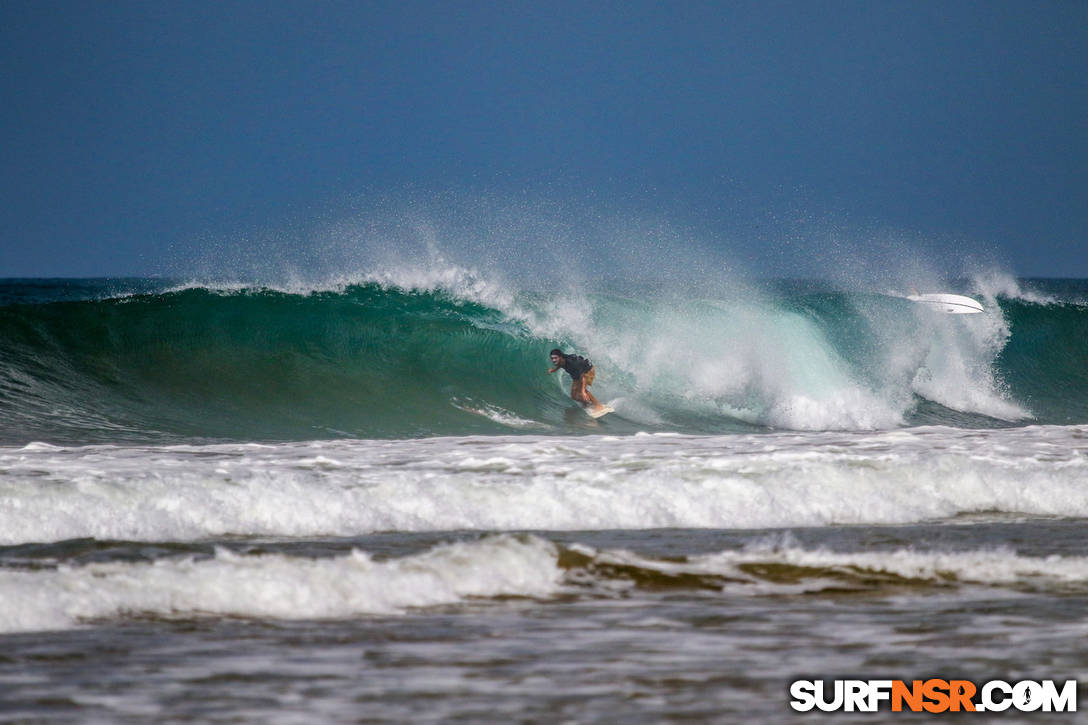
{"x":581,"y":373}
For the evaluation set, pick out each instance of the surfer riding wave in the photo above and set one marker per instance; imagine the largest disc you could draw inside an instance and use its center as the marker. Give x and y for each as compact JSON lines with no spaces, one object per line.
{"x":581,"y":373}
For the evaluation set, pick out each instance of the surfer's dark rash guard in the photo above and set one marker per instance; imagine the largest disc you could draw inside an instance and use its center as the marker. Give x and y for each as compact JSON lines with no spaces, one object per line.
{"x":576,"y":365}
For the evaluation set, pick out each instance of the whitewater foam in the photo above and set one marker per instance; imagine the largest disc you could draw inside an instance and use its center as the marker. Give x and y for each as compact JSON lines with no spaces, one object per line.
{"x":278,"y":586}
{"x":958,"y":370}
{"x":780,"y":565}
{"x":345,"y":488}
{"x":287,"y":587}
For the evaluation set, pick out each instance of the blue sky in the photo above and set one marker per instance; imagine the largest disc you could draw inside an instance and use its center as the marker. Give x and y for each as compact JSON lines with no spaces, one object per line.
{"x":134,"y":129}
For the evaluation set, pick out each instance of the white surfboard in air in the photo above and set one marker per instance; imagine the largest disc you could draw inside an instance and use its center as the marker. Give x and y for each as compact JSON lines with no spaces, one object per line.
{"x":950,"y":304}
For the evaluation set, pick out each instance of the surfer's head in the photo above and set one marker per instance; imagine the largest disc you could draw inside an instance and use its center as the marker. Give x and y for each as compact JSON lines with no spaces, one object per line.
{"x":557,"y":355}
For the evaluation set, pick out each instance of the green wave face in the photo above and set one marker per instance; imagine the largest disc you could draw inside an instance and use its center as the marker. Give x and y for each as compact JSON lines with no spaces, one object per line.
{"x":1046,"y":360}
{"x":263,"y":365}
{"x":377,"y":361}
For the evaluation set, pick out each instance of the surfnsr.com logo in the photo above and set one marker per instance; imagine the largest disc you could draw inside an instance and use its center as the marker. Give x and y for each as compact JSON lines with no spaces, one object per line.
{"x":933,"y":695}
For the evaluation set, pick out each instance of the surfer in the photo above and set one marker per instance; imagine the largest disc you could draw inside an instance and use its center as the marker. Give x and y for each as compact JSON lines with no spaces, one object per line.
{"x":581,"y":373}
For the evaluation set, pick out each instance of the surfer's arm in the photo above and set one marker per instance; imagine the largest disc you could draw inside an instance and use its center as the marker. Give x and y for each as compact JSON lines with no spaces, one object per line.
{"x":552,"y":371}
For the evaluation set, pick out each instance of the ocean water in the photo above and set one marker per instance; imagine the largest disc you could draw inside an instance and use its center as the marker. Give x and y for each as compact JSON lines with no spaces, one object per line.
{"x":366,"y":499}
